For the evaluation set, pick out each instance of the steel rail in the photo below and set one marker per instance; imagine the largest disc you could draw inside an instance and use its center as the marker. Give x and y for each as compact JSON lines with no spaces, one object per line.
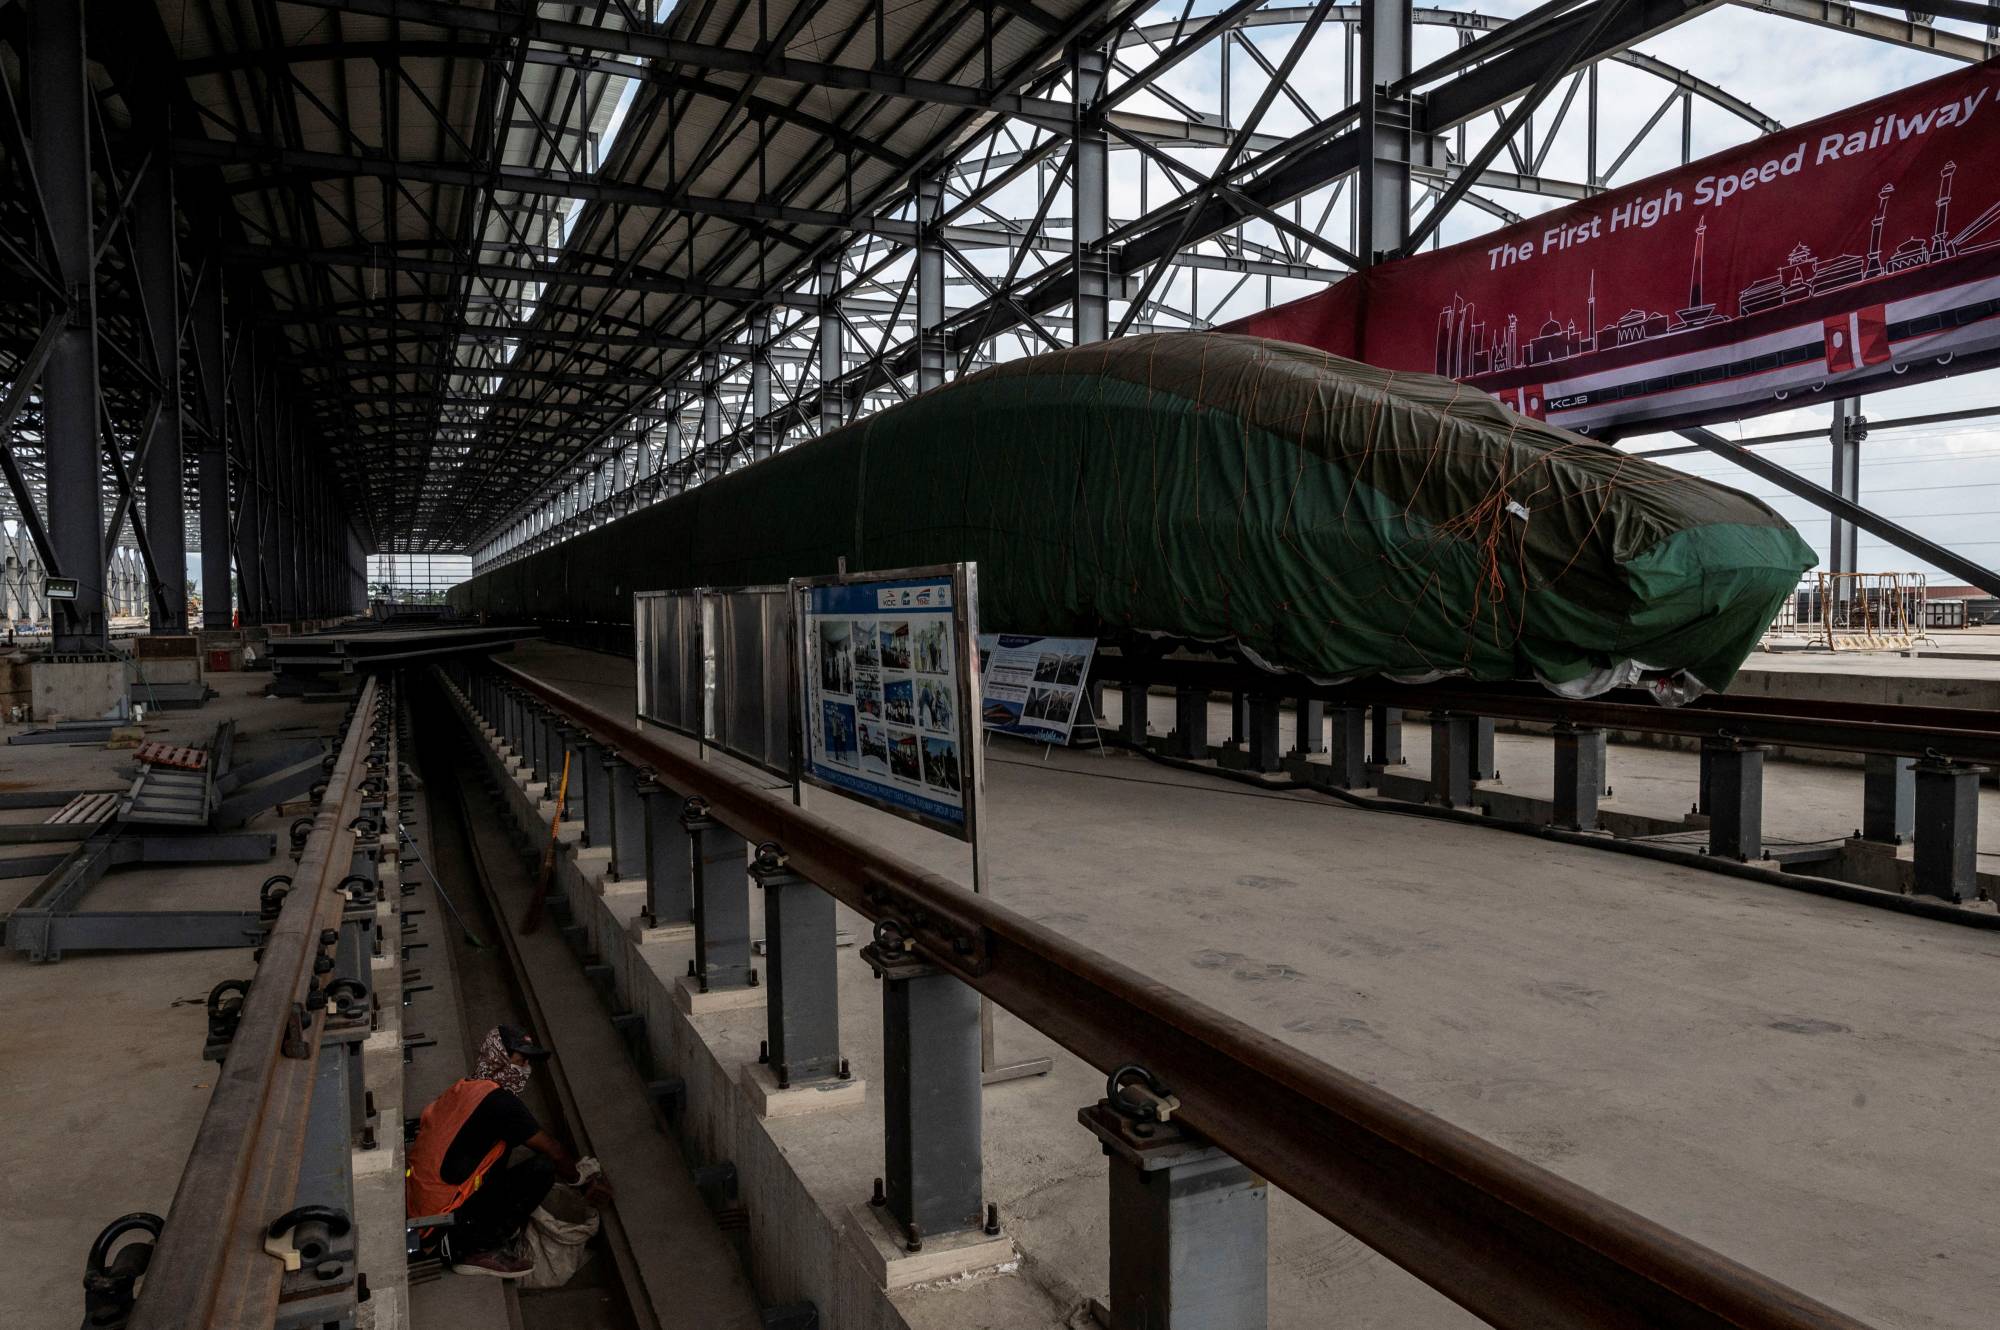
{"x":209,"y":1267}
{"x":1511,"y":1242}
{"x":1945,"y":733}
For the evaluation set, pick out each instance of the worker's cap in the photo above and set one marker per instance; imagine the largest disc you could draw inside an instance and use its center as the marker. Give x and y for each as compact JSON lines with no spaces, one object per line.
{"x":516,"y":1040}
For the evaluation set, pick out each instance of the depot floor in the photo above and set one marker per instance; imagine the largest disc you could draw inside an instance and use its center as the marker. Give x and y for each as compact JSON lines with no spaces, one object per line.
{"x":1805,"y":1085}
{"x":1802,"y":1084}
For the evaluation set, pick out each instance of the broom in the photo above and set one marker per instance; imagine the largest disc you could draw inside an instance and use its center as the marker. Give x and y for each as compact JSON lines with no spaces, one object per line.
{"x":532,"y":920}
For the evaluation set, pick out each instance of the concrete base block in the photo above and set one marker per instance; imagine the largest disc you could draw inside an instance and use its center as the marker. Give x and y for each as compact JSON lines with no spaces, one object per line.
{"x":592,"y":863}
{"x":690,"y":999}
{"x":646,"y":936}
{"x":620,"y":888}
{"x":953,"y":1256}
{"x":760,"y":1083}
{"x":79,"y":690}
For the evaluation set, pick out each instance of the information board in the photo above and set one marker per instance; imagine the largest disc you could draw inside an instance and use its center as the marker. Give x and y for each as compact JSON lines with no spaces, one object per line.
{"x":884,"y":677}
{"x":1031,"y":686}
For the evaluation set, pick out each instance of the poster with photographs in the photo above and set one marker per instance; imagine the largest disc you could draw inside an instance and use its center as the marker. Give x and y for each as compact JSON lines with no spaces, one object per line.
{"x":1032,"y":686}
{"x":886,"y":691}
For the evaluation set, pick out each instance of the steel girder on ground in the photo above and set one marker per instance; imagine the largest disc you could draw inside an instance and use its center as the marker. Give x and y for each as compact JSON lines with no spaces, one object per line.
{"x":510,"y":272}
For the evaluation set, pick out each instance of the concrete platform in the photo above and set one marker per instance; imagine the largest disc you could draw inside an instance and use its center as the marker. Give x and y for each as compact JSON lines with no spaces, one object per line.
{"x":1800,"y":1083}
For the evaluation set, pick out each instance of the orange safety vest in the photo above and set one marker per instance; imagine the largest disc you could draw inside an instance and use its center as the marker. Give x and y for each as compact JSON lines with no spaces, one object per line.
{"x":425,"y":1192}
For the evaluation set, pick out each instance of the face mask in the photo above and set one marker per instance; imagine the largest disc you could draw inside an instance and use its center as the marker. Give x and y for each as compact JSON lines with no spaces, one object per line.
{"x":497,"y":1065}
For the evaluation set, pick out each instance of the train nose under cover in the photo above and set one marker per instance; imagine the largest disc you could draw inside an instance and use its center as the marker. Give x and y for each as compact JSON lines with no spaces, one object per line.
{"x":1318,"y":514}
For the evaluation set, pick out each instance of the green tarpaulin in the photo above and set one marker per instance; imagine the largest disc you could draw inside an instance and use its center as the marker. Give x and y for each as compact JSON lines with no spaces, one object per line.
{"x":1320,"y":515}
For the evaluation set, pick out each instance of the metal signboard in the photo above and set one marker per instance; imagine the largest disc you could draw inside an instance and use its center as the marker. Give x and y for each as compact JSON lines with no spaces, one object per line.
{"x":1031,"y":686}
{"x":748,"y":631}
{"x":60,"y":588}
{"x":886,"y":672}
{"x":672,"y":666}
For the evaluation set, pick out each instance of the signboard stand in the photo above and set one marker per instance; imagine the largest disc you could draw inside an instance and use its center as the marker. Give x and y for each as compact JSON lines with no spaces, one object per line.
{"x":888,"y":684}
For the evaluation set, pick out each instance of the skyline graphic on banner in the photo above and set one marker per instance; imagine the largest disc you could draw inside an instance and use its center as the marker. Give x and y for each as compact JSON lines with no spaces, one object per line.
{"x":1468,"y":349}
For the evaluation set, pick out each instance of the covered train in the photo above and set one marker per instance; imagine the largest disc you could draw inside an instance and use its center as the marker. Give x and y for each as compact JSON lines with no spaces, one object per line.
{"x":1309,"y":513}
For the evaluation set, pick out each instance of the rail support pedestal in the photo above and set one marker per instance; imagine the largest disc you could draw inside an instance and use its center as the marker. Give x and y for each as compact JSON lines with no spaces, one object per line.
{"x":1733,"y":781}
{"x":1309,"y":727}
{"x":628,"y":819}
{"x":1580,"y":760}
{"x":1451,"y":759}
{"x":932,"y":1171}
{"x":1266,"y":748}
{"x":1484,"y":765}
{"x":1189,"y":1229}
{"x":1190,"y":737}
{"x":1132,"y":712}
{"x":720,"y":975}
{"x":538,"y":745}
{"x":596,"y":792}
{"x":1385,"y":736}
{"x":1347,"y":747}
{"x":1888,"y":798}
{"x":569,"y":749}
{"x":1947,"y":830}
{"x":669,"y":911}
{"x":802,"y":1070}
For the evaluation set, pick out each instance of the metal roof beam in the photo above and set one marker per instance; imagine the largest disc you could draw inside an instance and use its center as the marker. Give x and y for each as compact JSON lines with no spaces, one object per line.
{"x":1897,"y":30}
{"x":300,"y":162}
{"x":267,"y":256}
{"x":654,"y":45}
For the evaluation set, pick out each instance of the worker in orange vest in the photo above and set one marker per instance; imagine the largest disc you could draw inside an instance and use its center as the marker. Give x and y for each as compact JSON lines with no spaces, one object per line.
{"x":458,"y":1163}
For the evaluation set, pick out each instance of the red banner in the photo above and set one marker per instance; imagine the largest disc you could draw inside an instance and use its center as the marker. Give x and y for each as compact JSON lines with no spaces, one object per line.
{"x":1859,"y":250}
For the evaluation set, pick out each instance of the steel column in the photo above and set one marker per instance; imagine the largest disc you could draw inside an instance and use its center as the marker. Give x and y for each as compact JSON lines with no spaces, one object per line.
{"x":1093,"y":198}
{"x":669,"y":868}
{"x":1484,"y":767}
{"x":1266,"y":747}
{"x":931,"y":1086}
{"x":716,"y":859}
{"x":1385,"y":736}
{"x":711,"y":412}
{"x":245,"y":388}
{"x":802,"y":1009}
{"x":1947,"y":830}
{"x":59,"y":117}
{"x":588,"y":770}
{"x":1189,"y":1229}
{"x":832,"y":348}
{"x":1132,"y":711}
{"x":763,"y":441}
{"x":1190,"y":736}
{"x":628,"y":819}
{"x":1384,"y":177}
{"x":1451,"y":759}
{"x":157,"y":259}
{"x":1309,"y":726}
{"x":931,"y":348}
{"x":1580,"y":764}
{"x":1888,"y":798}
{"x":1347,"y":749}
{"x":1846,"y":434}
{"x":1733,"y":781}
